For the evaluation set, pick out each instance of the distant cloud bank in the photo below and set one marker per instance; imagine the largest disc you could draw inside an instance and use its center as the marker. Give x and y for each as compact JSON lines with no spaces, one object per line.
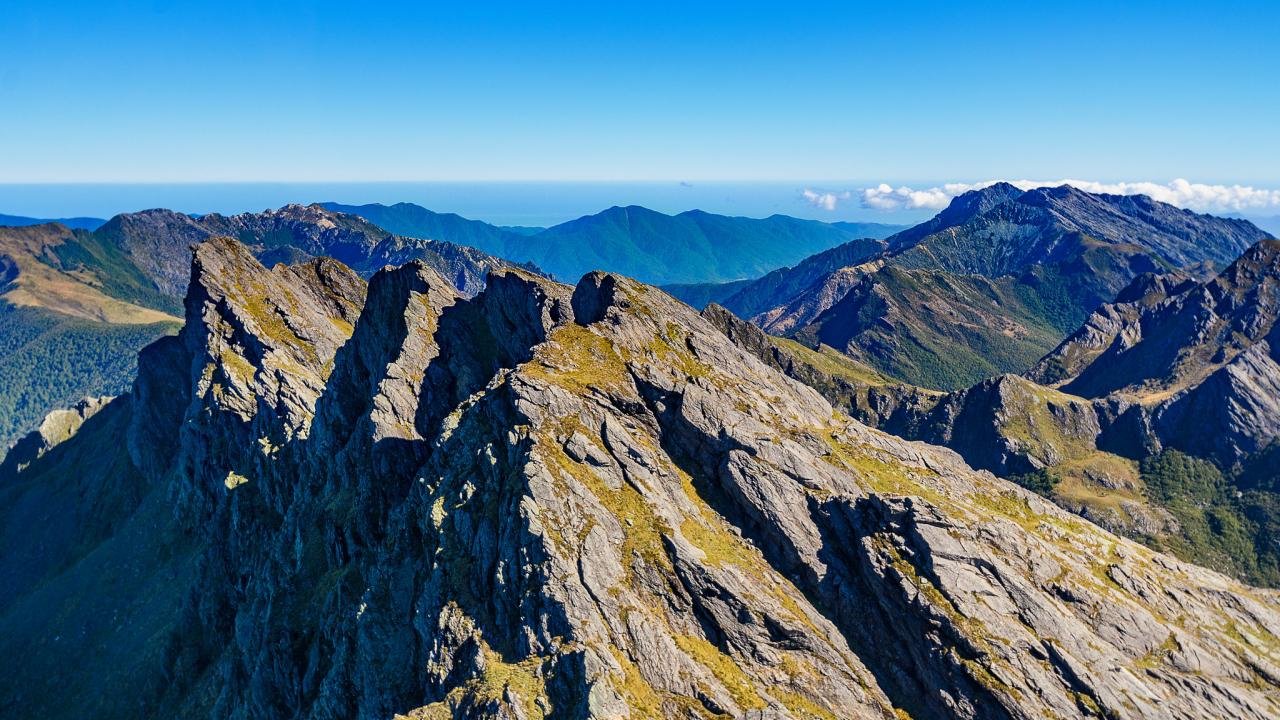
{"x":1183,"y":193}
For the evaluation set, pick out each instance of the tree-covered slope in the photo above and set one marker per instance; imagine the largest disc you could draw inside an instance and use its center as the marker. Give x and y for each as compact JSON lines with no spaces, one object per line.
{"x":940,"y":330}
{"x":49,"y":360}
{"x":74,"y":312}
{"x":692,"y":246}
{"x":418,"y":222}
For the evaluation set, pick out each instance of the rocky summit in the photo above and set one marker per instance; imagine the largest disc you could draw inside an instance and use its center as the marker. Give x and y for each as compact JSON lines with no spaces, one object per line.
{"x":327,"y":500}
{"x":1201,"y":359}
{"x":990,"y":284}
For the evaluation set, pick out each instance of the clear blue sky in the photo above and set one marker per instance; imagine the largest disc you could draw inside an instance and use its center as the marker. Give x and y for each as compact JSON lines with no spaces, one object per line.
{"x":237,"y":91}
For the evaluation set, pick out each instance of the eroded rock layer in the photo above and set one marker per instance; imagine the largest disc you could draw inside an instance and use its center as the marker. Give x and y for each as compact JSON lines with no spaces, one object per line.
{"x":545,"y":501}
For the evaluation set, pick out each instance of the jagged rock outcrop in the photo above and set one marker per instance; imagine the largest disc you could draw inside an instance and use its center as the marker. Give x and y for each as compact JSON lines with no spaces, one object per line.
{"x":1112,"y":323}
{"x":254,"y":356}
{"x":1199,"y":364}
{"x":587,"y":502}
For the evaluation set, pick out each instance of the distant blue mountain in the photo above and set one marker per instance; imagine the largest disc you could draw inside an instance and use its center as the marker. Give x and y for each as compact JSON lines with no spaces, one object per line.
{"x":1270,"y":224}
{"x":521,"y":229}
{"x":691,"y":247}
{"x":75,"y":223}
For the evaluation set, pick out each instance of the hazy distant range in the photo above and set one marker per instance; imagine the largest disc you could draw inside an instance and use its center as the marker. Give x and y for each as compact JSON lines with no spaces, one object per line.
{"x":502,"y":203}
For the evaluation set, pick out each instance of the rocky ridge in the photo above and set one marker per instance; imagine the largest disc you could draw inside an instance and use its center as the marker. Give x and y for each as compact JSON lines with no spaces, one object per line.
{"x":1003,"y":276}
{"x":158,"y":241}
{"x":79,"y":304}
{"x":1201,"y":360}
{"x":545,"y":501}
{"x":57,"y":427}
{"x":1172,"y":365}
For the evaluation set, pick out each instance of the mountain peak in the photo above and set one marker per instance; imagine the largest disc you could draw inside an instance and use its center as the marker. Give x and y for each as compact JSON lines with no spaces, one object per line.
{"x":976,"y":202}
{"x":264,"y":340}
{"x":1199,"y":359}
{"x":963,"y":208}
{"x":541,"y":501}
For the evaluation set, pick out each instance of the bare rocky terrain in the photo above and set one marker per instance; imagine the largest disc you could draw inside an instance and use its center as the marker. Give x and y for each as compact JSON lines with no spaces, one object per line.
{"x":327,"y":500}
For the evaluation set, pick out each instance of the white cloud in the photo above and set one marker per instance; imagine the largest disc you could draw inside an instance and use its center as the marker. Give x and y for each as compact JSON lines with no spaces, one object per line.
{"x":884,"y":197}
{"x":825,"y":200}
{"x":1195,"y":196}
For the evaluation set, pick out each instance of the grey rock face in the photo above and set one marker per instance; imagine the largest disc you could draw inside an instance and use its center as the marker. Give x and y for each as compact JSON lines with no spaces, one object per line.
{"x":259,"y":345}
{"x":589,"y":502}
{"x":1197,"y":362}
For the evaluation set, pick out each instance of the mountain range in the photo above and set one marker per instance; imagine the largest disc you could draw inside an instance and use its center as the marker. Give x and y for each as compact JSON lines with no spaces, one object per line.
{"x":78,"y":305}
{"x":1175,"y":378}
{"x":990,"y":284}
{"x":690,"y":247}
{"x":327,"y":499}
{"x":376,"y":476}
{"x":76,"y":223}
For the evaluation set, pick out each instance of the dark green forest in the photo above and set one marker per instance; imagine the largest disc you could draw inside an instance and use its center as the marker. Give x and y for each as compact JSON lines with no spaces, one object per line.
{"x":1230,"y":521}
{"x":50,"y":361}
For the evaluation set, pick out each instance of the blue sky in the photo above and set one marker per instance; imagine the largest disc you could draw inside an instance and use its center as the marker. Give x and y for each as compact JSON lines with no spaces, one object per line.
{"x":806,"y":92}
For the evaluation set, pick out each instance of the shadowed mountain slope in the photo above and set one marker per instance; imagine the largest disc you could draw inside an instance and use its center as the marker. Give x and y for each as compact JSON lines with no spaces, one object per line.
{"x":545,"y":501}
{"x":991,"y":283}
{"x":79,"y":305}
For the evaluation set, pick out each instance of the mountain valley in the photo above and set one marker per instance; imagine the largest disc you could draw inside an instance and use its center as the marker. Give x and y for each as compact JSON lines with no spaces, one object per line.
{"x":376,"y":476}
{"x":547,"y":500}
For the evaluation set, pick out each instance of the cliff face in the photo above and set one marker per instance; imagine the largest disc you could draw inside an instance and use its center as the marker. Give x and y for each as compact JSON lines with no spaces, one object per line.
{"x":545,"y":501}
{"x":1200,"y":361}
